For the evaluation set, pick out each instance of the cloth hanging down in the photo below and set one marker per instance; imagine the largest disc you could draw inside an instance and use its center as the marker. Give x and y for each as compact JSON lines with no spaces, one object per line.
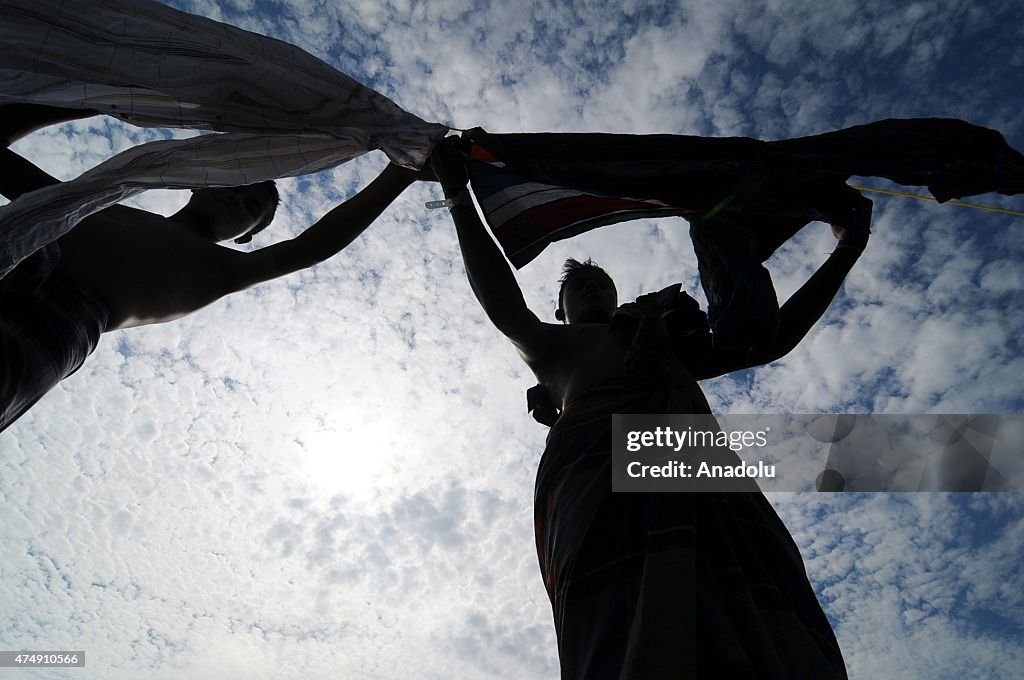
{"x":538,"y":188}
{"x":282,"y":111}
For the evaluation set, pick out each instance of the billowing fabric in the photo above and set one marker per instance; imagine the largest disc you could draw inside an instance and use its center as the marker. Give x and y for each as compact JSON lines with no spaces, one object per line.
{"x":742,"y":305}
{"x":541,"y":187}
{"x":667,"y":585}
{"x":526,"y":215}
{"x":48,"y":326}
{"x":283,"y":112}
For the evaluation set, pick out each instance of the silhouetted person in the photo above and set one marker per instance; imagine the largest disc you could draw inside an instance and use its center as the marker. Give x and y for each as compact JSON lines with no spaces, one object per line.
{"x":650,"y":585}
{"x":124,"y":267}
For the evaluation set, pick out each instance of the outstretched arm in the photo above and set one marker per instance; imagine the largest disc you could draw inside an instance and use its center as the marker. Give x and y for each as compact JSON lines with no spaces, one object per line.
{"x":18,"y":120}
{"x":327,"y":237}
{"x":490,"y":275}
{"x":18,"y":176}
{"x":801,"y":311}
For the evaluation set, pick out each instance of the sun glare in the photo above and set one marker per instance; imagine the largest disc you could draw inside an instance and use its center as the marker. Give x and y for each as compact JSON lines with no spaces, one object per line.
{"x":356,"y":461}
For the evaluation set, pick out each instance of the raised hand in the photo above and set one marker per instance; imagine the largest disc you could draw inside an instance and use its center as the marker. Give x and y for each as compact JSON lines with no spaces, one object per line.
{"x":449,"y":166}
{"x":851,"y":237}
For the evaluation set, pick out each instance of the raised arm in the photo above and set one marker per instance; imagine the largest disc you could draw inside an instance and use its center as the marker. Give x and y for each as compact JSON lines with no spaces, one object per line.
{"x":327,"y":237}
{"x":490,"y":275}
{"x":800,"y":312}
{"x":808,"y":304}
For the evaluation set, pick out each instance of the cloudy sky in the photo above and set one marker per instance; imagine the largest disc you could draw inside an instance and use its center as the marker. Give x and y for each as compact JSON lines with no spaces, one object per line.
{"x":331,"y":475}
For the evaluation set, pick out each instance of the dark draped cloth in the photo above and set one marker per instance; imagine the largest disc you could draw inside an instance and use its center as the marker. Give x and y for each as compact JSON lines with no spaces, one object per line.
{"x":542,"y":187}
{"x":666,"y":585}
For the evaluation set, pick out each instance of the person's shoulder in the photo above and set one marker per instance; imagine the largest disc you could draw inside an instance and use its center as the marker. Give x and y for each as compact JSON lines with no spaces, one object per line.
{"x":125,"y":213}
{"x":540,"y":344}
{"x":123,"y":217}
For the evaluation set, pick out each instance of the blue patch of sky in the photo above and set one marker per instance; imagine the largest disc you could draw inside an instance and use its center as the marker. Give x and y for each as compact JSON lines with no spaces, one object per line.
{"x":975,"y":50}
{"x":351,"y":57}
{"x":744,"y":378}
{"x":124,"y":347}
{"x":822,"y":512}
{"x":982,"y":621}
{"x":989,"y":623}
{"x":982,"y":526}
{"x":1014,"y":405}
{"x":651,"y":14}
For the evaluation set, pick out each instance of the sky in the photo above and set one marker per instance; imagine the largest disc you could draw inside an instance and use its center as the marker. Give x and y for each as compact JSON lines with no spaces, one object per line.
{"x":331,"y":474}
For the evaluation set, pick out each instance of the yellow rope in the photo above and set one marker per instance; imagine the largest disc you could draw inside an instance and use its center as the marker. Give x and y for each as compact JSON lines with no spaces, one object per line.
{"x":929,"y":198}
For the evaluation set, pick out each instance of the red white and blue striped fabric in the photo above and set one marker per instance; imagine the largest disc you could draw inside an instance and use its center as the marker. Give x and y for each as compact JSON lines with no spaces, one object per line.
{"x":526,"y":215}
{"x":538,"y":188}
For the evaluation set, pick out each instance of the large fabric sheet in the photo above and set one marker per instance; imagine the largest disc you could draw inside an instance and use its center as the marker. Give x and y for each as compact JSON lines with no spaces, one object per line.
{"x":667,"y":585}
{"x":542,"y":187}
{"x":282,"y":111}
